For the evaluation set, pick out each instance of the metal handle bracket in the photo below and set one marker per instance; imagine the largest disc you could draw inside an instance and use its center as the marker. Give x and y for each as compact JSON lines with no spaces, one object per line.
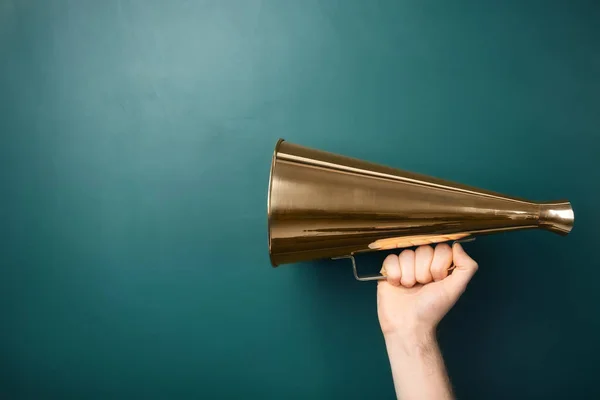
{"x":360,"y":278}
{"x":379,"y":277}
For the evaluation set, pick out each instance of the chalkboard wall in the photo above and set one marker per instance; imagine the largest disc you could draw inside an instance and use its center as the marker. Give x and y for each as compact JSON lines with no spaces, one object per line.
{"x":135,"y":144}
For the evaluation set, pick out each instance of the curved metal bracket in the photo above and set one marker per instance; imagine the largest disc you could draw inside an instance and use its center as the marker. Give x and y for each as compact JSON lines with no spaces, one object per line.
{"x":360,"y":278}
{"x":379,"y":277}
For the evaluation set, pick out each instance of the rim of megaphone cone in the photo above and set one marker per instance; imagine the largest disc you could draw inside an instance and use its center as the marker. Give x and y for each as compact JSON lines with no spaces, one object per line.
{"x":272,"y":169}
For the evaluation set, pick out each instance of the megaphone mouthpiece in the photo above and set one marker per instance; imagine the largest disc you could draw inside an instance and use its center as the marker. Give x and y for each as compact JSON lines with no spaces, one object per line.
{"x":557,"y":217}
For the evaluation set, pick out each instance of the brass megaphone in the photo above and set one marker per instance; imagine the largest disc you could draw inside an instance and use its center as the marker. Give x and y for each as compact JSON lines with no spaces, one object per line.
{"x":324,"y":205}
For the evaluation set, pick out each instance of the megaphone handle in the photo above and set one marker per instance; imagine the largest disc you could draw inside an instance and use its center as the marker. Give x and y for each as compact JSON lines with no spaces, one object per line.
{"x":379,"y":277}
{"x":360,"y":278}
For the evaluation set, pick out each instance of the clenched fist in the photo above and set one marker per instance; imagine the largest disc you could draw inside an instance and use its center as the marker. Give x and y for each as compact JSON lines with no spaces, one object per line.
{"x":420,"y":288}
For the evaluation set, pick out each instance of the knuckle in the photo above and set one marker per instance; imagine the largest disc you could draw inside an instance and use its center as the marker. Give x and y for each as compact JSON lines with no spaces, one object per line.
{"x":392,"y":269}
{"x":444,"y":253}
{"x":443,"y":248}
{"x":407,"y":254}
{"x":390,"y":259}
{"x":424,"y":250}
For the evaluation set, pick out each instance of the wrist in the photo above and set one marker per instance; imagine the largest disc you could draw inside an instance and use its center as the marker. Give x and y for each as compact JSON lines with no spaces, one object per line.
{"x":417,"y":365}
{"x":412,"y":339}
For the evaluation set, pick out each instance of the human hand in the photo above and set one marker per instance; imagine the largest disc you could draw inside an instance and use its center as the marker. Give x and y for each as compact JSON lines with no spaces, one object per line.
{"x":419,"y":290}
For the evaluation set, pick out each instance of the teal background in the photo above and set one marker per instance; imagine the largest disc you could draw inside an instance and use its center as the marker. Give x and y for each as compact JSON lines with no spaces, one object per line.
{"x":135,"y":143}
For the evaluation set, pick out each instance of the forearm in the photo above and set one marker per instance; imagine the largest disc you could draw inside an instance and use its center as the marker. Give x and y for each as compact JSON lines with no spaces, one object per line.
{"x":417,"y":367}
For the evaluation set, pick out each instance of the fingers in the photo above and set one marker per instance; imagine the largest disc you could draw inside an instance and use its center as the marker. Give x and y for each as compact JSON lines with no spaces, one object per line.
{"x":462,"y":274}
{"x":423,"y":259}
{"x":407,"y":265}
{"x":392,"y":269}
{"x":426,"y":265}
{"x":442,"y":260}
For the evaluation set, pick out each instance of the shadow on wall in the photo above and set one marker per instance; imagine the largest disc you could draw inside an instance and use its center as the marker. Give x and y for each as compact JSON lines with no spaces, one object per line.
{"x":508,"y":303}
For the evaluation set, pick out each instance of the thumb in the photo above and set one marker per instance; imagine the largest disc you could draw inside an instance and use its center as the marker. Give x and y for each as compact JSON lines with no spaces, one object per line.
{"x":462,"y":274}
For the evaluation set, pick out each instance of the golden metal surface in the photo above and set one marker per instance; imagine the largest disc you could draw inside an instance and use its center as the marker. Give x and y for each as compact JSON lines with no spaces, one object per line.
{"x":325,"y":205}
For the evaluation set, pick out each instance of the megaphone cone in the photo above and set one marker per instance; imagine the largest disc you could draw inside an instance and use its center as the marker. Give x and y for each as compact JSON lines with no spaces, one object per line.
{"x":324,"y":205}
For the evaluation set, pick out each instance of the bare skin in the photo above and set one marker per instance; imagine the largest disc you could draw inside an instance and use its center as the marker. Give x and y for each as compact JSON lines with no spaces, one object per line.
{"x":417,"y":294}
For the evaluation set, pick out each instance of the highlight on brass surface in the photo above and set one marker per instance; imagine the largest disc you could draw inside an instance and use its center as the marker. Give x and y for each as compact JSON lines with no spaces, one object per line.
{"x":325,"y":205}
